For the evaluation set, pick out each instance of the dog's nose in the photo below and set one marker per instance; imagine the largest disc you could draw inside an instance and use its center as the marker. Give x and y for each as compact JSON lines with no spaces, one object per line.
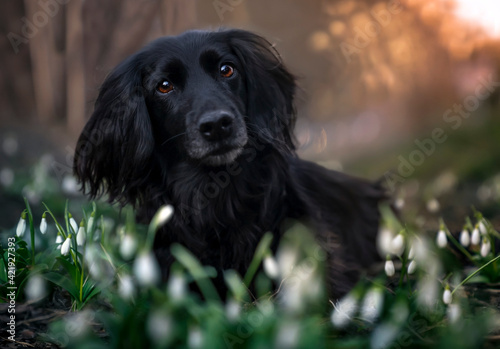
{"x":216,"y":126}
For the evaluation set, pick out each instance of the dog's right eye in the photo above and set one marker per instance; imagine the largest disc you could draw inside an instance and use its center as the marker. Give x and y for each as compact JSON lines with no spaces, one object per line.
{"x":165,"y":87}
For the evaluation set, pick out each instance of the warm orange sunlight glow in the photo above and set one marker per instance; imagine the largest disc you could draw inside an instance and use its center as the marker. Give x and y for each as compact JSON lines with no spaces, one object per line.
{"x":484,"y":13}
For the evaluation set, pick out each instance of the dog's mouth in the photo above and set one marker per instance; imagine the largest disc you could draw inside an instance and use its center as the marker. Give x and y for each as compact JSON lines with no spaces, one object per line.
{"x":222,"y":156}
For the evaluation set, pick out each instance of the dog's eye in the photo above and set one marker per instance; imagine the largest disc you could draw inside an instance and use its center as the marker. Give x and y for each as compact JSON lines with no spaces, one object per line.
{"x":164,"y":87}
{"x":226,"y":71}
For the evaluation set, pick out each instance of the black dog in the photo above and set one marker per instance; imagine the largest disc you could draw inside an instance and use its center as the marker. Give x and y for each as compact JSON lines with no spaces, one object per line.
{"x":204,"y":121}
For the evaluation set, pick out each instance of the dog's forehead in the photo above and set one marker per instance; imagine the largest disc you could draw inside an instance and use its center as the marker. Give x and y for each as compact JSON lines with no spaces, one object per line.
{"x":188,"y":47}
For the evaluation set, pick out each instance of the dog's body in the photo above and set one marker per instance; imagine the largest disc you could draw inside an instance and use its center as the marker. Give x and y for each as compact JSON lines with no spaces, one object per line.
{"x":204,"y":121}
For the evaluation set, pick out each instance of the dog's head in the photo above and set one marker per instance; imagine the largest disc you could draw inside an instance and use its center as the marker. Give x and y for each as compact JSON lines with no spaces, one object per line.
{"x":198,"y":97}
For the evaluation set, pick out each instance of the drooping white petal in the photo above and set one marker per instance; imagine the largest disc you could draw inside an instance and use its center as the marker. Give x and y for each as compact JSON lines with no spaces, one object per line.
{"x":485,"y":247}
{"x":441,"y":239}
{"x":126,"y":287}
{"x":372,"y":305}
{"x":176,"y":286}
{"x":271,"y":267}
{"x":465,"y":238}
{"x":412,"y":267}
{"x":21,"y":227}
{"x":476,"y":236}
{"x":73,"y":224}
{"x":128,"y":246}
{"x":66,"y":246}
{"x":398,"y":245}
{"x":81,"y":236}
{"x":389,"y":268}
{"x":43,"y":225}
{"x":344,"y":310}
{"x":146,"y":269}
{"x":447,"y":296}
{"x":482,"y":228}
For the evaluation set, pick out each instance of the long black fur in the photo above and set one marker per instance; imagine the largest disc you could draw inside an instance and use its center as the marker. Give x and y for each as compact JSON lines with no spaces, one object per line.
{"x":144,"y":148}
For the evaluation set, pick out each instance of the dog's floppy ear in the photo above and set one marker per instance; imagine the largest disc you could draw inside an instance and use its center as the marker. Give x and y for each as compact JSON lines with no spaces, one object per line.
{"x":117,"y":141}
{"x":270,"y":89}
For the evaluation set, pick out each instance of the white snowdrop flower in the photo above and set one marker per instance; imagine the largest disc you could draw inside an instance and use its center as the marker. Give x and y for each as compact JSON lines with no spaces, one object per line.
{"x":482,"y":228}
{"x":454,"y":312}
{"x":412,"y":267}
{"x":398,"y":245}
{"x":344,"y":310}
{"x":159,"y":326}
{"x":271,"y":267}
{"x":90,"y":223}
{"x":69,"y":185}
{"x":21,"y":226}
{"x":161,"y":216}
{"x":66,"y":246}
{"x":288,"y":335}
{"x":81,"y":236}
{"x":128,"y":246}
{"x":287,"y":258}
{"x":433,"y":206}
{"x":441,"y":239}
{"x":233,"y":310}
{"x":399,"y":203}
{"x":384,"y":241}
{"x":126,"y":287}
{"x":43,"y":224}
{"x":72,"y":223}
{"x":485,"y":247}
{"x":411,"y":253}
{"x":36,"y":287}
{"x":195,"y":338}
{"x":447,"y":296}
{"x":146,"y":269}
{"x":59,"y":239}
{"x":372,"y":304}
{"x":6,"y":177}
{"x":476,"y":236}
{"x":389,"y":268}
{"x":465,"y":237}
{"x":176,"y":286}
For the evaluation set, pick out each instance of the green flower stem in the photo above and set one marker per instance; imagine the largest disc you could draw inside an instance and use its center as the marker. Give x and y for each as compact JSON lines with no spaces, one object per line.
{"x":458,"y":245}
{"x":474,"y":273}
{"x":260,"y":251}
{"x":32,"y":231}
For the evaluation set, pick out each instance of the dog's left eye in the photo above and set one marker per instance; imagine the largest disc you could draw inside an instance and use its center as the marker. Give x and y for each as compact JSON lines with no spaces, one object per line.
{"x":164,"y":87}
{"x":226,"y":71}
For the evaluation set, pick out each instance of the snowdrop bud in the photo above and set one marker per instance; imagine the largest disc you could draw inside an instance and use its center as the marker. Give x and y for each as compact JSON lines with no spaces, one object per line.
{"x":126,"y":287}
{"x":162,"y":216}
{"x":476,"y":237}
{"x":384,"y":241}
{"x":146,"y":269}
{"x":233,"y":310}
{"x":372,"y":305}
{"x":485,"y":247}
{"x":412,"y":267}
{"x":21,"y":226}
{"x":176,"y":286}
{"x":389,"y":268}
{"x":128,"y":246}
{"x":465,"y":237}
{"x":271,"y":267}
{"x":482,"y":228}
{"x":81,"y":235}
{"x":72,"y":223}
{"x":447,"y":295}
{"x":90,"y":223}
{"x":195,"y":338}
{"x":66,"y":246}
{"x":344,"y":310}
{"x":398,"y":245}
{"x":43,"y":224}
{"x":441,"y":239}
{"x":59,"y":239}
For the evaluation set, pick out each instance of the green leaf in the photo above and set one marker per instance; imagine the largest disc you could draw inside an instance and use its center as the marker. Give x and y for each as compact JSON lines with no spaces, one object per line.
{"x":63,"y":282}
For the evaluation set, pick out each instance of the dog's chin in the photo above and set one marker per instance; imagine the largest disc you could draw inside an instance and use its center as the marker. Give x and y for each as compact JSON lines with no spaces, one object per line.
{"x":221,"y":159}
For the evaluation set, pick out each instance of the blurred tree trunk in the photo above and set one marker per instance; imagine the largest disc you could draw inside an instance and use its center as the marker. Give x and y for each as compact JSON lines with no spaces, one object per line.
{"x":41,"y":52}
{"x":177,"y":16}
{"x":75,"y":68}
